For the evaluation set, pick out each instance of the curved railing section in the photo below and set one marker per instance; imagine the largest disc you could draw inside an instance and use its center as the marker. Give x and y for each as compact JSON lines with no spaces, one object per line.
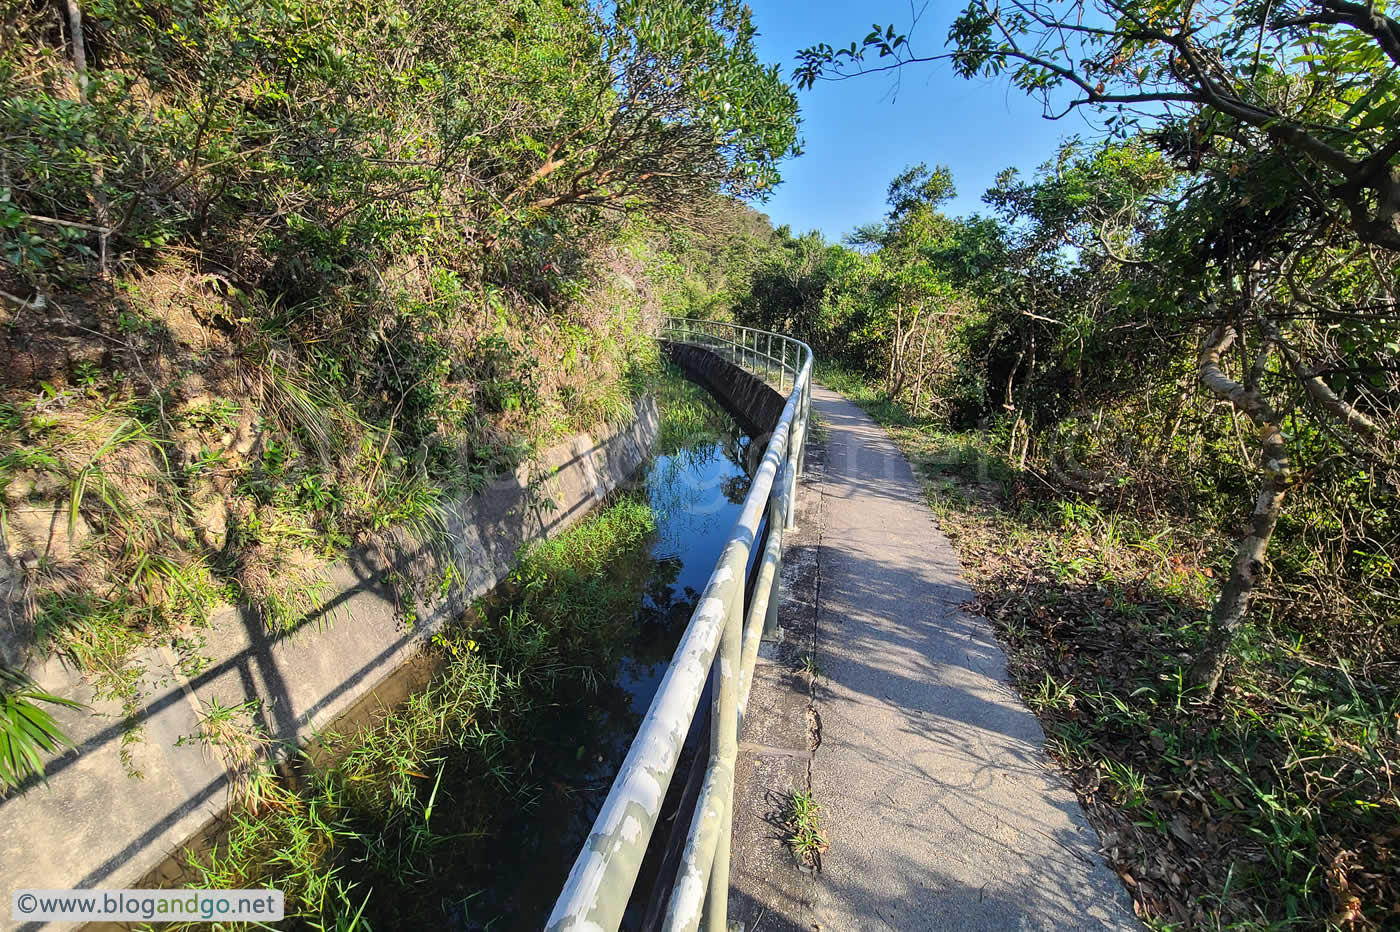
{"x":721,"y":643}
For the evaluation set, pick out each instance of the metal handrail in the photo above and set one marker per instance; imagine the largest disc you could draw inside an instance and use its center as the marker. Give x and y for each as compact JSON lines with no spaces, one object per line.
{"x":726,"y":626}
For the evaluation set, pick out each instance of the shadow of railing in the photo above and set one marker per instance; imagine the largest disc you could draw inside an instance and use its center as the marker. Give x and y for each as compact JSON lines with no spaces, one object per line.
{"x":300,"y":678}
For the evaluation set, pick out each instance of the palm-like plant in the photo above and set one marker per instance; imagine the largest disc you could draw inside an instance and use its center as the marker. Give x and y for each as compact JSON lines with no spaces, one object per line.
{"x":25,"y":728}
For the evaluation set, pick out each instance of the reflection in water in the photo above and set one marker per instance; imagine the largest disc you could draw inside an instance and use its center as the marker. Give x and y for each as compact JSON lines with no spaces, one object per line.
{"x":696,"y":495}
{"x":463,"y":806}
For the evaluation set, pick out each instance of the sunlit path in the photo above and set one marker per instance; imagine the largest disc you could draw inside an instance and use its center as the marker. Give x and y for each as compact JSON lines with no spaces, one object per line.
{"x":938,"y":804}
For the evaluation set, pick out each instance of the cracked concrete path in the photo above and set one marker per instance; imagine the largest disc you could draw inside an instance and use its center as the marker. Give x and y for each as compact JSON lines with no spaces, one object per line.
{"x":939,"y":803}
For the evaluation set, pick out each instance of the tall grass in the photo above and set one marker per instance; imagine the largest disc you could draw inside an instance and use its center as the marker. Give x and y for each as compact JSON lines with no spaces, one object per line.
{"x":690,"y":416}
{"x":397,"y":824}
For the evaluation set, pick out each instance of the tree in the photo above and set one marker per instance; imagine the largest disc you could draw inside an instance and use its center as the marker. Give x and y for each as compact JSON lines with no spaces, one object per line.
{"x":1299,"y":336}
{"x":910,"y":298}
{"x":785,"y":291}
{"x":330,"y":130}
{"x":1279,"y":241}
{"x":1316,"y":79}
{"x":691,"y":109}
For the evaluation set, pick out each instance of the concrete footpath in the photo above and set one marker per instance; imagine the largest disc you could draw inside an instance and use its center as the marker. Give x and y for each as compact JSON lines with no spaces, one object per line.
{"x":938,"y":801}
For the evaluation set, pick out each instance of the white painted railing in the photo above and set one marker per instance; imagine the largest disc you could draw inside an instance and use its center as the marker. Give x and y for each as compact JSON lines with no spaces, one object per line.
{"x":720,"y":643}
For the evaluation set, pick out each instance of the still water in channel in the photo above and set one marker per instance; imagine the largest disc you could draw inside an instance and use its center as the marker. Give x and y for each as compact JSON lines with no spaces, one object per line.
{"x":696,"y":496}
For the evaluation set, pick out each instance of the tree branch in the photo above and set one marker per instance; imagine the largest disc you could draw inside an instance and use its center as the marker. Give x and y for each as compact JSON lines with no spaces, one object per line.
{"x":1378,"y":26}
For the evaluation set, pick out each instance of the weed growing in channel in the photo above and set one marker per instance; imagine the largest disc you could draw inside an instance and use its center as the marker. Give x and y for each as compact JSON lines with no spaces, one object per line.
{"x":235,"y":735}
{"x":690,"y":416}
{"x":361,"y":833}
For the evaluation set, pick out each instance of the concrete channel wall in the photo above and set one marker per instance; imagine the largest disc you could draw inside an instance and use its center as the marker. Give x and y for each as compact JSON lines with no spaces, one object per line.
{"x":95,"y":825}
{"x":755,"y":403}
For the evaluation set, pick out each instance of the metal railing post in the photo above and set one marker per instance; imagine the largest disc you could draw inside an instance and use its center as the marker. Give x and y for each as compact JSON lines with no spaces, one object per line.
{"x":806,"y":414}
{"x":719,"y":645}
{"x":701,"y":891}
{"x":770,"y":617}
{"x":725,"y":748}
{"x":790,"y":486}
{"x":777,"y":521}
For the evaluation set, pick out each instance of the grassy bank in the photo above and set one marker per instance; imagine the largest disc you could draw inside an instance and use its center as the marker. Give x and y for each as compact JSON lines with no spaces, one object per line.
{"x":134,"y":512}
{"x":403,"y":823}
{"x":465,"y":803}
{"x":281,"y":280}
{"x":1270,"y":806}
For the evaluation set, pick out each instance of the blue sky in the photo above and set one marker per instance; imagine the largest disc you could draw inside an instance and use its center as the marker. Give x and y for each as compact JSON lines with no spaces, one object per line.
{"x":859,"y":136}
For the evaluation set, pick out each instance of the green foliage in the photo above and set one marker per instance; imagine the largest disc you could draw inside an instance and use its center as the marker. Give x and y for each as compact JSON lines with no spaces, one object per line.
{"x":918,"y":188}
{"x":329,"y":266}
{"x":805,"y":836}
{"x":704,"y":272}
{"x":364,"y":830}
{"x":313,"y":135}
{"x":1297,"y":82}
{"x":688,"y":68}
{"x":882,"y":307}
{"x":786,"y":289}
{"x":27,"y":731}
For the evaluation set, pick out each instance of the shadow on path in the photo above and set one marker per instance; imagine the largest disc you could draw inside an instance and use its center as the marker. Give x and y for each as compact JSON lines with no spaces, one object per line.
{"x":937,"y":797}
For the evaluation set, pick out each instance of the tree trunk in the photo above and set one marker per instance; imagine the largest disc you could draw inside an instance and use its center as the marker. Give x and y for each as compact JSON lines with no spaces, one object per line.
{"x":1175,"y":415}
{"x":1020,"y":417}
{"x":1009,"y":405}
{"x":894,"y":357}
{"x":80,"y":70}
{"x":1228,"y":615}
{"x":922,"y":371}
{"x":1232,"y":605}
